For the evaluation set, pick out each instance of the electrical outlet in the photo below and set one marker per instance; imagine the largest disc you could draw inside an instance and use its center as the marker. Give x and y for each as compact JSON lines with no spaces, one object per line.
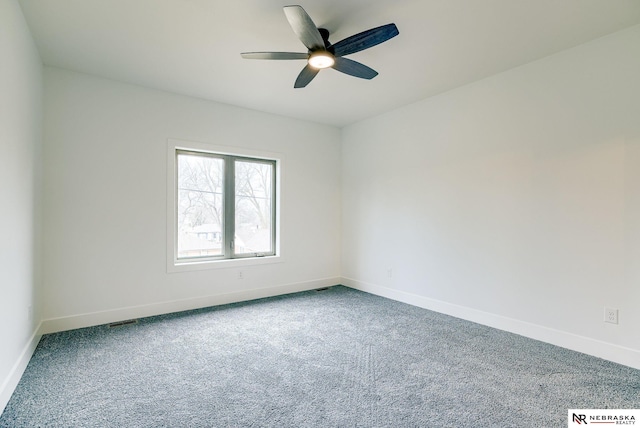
{"x":611,"y":315}
{"x":240,"y":274}
{"x":389,"y":272}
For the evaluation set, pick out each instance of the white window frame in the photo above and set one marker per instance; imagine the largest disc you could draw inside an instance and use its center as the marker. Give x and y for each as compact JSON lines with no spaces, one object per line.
{"x":184,"y":265}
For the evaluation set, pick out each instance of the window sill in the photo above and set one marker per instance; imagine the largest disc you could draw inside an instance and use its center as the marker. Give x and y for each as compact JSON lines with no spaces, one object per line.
{"x":189,"y":266}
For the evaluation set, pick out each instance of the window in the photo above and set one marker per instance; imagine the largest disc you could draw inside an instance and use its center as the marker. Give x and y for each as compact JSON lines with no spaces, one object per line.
{"x":224,"y":206}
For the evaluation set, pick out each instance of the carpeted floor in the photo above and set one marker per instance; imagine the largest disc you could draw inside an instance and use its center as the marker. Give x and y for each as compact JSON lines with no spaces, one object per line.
{"x":334,"y":358}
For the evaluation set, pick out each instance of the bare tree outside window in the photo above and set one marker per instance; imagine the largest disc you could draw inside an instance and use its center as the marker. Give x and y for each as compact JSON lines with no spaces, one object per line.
{"x":200,"y":205}
{"x":253,"y":198}
{"x":225,"y":206}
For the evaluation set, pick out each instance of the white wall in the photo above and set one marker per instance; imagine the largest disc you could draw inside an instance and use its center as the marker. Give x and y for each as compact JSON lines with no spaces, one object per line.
{"x":20,"y":145}
{"x":513,"y":201}
{"x":106,"y":207}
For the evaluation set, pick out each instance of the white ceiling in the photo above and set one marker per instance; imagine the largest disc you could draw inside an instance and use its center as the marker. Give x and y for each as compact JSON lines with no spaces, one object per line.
{"x":193,"y":47}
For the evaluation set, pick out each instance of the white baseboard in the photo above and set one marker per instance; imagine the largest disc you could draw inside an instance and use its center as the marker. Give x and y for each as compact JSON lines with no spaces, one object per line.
{"x":104,"y":317}
{"x":9,"y":384}
{"x":608,"y":351}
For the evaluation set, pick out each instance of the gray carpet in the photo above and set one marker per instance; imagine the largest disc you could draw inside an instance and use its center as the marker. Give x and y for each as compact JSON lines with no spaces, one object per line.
{"x":334,"y":358}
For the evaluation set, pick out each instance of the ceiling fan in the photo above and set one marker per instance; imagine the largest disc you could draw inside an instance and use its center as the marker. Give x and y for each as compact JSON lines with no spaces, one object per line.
{"x":323,"y":54}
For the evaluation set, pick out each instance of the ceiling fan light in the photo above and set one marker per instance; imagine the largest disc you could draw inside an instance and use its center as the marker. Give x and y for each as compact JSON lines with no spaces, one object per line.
{"x":321,"y":59}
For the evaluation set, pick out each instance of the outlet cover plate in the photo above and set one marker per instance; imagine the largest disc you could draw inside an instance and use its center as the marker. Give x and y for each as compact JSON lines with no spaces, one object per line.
{"x":611,"y":315}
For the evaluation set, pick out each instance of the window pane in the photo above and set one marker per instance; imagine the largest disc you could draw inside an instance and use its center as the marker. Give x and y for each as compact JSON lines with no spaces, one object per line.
{"x":254,"y":213}
{"x":200,"y":206}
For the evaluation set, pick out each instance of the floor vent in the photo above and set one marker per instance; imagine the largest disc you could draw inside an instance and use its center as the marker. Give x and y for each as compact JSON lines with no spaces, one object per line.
{"x":121,"y":323}
{"x":322,"y":289}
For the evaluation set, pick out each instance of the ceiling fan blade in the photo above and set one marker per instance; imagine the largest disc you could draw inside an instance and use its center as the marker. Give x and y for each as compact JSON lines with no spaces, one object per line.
{"x":306,"y":75}
{"x":354,"y":68}
{"x":274,"y":55}
{"x":304,"y":27}
{"x":365,"y":40}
